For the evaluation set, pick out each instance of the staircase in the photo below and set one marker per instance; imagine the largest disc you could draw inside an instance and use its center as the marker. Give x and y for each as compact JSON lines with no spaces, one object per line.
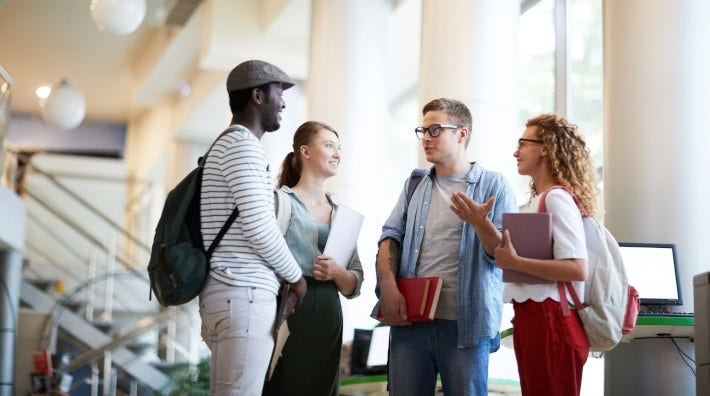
{"x":98,"y":341}
{"x":87,"y":273}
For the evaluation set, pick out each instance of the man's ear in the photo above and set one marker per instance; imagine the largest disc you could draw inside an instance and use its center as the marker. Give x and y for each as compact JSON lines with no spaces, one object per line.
{"x":463,"y":133}
{"x":257,"y":96}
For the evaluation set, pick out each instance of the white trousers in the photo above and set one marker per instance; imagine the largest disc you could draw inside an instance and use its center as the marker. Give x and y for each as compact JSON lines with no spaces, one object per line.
{"x":236,"y":325}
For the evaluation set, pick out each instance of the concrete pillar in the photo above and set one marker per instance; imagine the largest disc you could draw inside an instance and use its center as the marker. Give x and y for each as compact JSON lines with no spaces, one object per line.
{"x":701,"y":283}
{"x":347,"y":85}
{"x":12,"y":238}
{"x":469,"y":53}
{"x":10,"y":277}
{"x":347,"y":89}
{"x":656,"y":91}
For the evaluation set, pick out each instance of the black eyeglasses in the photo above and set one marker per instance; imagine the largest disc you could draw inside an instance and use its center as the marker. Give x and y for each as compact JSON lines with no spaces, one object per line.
{"x":434,"y":129}
{"x":521,"y":140}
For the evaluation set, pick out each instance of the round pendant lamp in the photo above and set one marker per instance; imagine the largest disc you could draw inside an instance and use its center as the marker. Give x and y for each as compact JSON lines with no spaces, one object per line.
{"x":64,"y":108}
{"x":118,"y":16}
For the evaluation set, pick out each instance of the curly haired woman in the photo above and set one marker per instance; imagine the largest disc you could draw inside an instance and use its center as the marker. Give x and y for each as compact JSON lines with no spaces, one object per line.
{"x":550,"y":345}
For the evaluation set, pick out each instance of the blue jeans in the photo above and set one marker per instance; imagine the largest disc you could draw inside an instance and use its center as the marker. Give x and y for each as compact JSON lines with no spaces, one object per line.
{"x":422,"y":350}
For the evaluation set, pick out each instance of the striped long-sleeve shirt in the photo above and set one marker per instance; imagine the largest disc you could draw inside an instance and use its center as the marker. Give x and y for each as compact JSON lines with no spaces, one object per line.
{"x":253,"y":252}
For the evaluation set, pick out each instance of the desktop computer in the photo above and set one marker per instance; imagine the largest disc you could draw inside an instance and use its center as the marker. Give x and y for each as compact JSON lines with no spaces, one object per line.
{"x":632,"y":367}
{"x":701,"y":284}
{"x":369,"y":352}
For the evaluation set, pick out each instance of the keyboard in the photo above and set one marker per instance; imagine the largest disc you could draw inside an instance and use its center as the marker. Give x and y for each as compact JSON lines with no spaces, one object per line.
{"x":668,"y":314}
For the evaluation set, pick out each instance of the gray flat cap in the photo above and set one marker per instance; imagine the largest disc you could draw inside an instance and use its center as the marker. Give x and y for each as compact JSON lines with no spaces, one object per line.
{"x":253,"y":73}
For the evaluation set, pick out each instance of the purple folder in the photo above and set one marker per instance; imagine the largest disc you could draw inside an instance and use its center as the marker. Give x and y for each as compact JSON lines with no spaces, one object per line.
{"x":531,"y":235}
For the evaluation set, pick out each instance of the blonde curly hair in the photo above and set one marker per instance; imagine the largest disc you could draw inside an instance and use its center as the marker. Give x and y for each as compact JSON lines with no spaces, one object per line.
{"x":569,"y":159}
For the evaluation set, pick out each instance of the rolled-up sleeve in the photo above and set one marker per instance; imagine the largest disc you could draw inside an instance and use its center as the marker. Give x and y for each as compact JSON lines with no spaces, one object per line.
{"x":355,"y":268}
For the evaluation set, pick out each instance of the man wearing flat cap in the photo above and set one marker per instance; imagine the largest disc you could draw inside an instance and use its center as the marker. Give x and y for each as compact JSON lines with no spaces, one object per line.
{"x":238,"y":300}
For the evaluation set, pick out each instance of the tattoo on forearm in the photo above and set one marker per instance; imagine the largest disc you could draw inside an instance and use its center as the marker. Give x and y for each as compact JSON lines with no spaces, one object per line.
{"x":395,"y":256}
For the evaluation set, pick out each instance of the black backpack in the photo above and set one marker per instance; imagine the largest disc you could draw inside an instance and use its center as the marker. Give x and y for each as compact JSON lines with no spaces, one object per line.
{"x":178,"y":263}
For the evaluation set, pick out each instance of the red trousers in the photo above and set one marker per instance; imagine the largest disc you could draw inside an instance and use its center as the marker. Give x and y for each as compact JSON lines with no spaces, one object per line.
{"x":550,"y":348}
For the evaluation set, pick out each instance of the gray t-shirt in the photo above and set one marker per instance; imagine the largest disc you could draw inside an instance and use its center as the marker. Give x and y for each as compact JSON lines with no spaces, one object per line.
{"x":442,"y":240}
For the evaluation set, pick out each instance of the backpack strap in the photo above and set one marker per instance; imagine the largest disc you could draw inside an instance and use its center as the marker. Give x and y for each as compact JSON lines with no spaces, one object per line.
{"x":201,"y":162}
{"x":282,"y":205}
{"x":578,"y":305}
{"x":562,"y":285}
{"x":543,"y":208}
{"x":221,"y":233}
{"x":414,"y":179}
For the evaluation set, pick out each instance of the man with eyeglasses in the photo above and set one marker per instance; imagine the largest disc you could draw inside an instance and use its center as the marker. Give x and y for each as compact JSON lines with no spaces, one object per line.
{"x":449,"y":228}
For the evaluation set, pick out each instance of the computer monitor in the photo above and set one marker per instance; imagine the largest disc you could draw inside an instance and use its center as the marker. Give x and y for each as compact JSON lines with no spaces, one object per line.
{"x":652,"y":268}
{"x":378,"y":353}
{"x":359,"y":350}
{"x":368,"y":355}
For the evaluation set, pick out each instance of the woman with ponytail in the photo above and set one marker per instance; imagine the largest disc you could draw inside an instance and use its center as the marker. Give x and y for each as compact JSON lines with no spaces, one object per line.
{"x":310,"y":361}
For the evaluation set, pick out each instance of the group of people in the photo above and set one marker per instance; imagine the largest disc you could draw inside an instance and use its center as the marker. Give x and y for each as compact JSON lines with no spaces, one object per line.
{"x":451,"y":227}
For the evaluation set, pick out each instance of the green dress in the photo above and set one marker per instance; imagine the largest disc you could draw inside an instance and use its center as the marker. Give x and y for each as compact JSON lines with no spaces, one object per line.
{"x":310,"y":360}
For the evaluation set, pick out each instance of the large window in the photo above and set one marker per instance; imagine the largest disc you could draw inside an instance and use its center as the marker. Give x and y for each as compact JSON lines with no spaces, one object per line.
{"x":560,"y":65}
{"x":560,"y":71}
{"x":536,"y":51}
{"x":584,"y":35}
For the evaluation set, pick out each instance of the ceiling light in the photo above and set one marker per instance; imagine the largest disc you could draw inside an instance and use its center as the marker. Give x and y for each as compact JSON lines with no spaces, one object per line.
{"x":43,"y":91}
{"x":118,"y":16}
{"x":64,"y":108}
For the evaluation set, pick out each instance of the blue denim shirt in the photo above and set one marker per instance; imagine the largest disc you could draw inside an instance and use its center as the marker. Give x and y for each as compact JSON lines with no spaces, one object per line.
{"x":480,"y":285}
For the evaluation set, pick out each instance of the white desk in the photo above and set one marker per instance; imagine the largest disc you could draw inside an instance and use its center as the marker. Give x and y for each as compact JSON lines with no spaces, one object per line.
{"x":646,"y":327}
{"x":661,"y":326}
{"x":376,"y":385}
{"x":651,"y":353}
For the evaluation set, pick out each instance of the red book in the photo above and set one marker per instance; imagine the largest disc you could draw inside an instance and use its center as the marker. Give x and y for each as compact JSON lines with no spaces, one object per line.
{"x":422,"y":297}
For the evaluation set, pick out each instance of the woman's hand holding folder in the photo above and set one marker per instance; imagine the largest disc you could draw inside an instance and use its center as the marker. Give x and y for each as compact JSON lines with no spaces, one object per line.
{"x":505,"y":254}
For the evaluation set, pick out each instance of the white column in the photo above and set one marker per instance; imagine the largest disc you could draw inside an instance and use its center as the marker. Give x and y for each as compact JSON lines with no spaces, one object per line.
{"x":347,"y":89}
{"x":656,"y":142}
{"x":656,"y":95}
{"x":469,"y":53}
{"x":347,"y":86}
{"x":11,"y":277}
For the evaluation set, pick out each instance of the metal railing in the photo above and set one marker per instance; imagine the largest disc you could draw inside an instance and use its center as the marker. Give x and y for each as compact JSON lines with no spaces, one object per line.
{"x":102,"y":352}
